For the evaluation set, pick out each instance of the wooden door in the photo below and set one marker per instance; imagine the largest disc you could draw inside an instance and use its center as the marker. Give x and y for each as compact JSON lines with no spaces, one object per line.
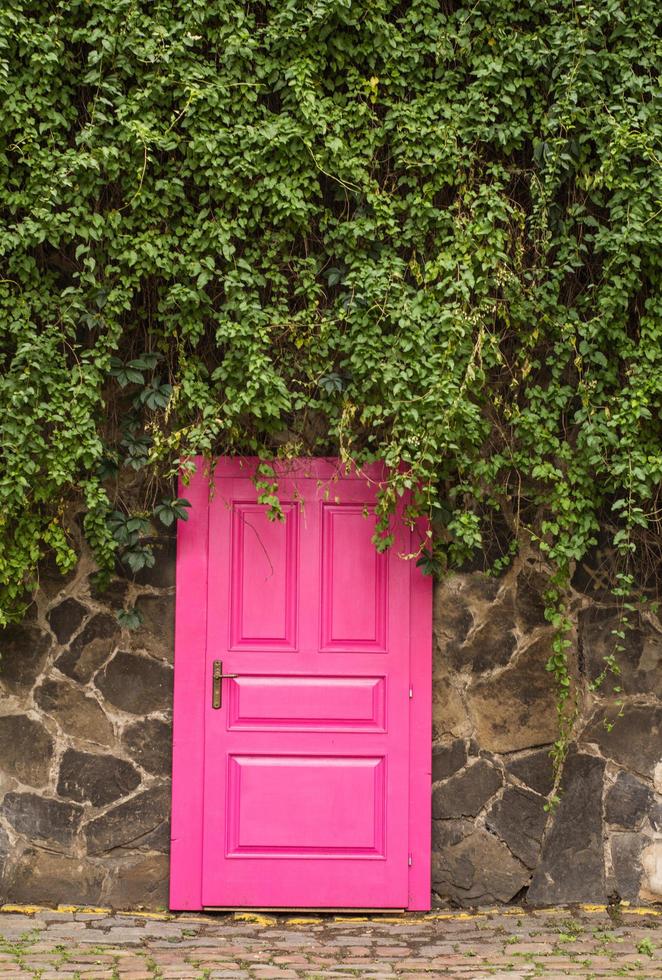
{"x":311,"y":763}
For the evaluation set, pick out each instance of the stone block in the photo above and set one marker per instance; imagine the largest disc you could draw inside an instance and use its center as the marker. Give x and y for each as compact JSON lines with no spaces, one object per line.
{"x":516,"y":708}
{"x":628,"y":801}
{"x":635,"y":738}
{"x":138,"y":684}
{"x":625,"y":850}
{"x":95,"y":779}
{"x":519,"y":819}
{"x":26,"y":749}
{"x":491,"y":643}
{"x":77,"y":713}
{"x":639,"y":660}
{"x":65,"y":618}
{"x":39,"y":818}
{"x":140,"y":822}
{"x":529,"y":602}
{"x":477,"y":869}
{"x":571,"y":867}
{"x":112,"y":595}
{"x":465,"y":794}
{"x":137,"y":882}
{"x":447,"y":759}
{"x":157,"y":632}
{"x":149,"y":744}
{"x":42,"y":877}
{"x":91,"y":648}
{"x":536,"y":770}
{"x":23,"y":651}
{"x":651,"y":863}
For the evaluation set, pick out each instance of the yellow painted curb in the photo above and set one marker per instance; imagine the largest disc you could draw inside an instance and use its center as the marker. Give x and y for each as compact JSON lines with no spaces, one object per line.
{"x":264,"y":920}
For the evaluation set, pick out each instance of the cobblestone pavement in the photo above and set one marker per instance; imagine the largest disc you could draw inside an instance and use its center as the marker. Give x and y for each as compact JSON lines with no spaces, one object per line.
{"x":504,"y":944}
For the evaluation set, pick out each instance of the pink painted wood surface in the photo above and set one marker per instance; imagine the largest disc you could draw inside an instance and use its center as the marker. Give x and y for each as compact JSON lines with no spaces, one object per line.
{"x":316,"y":767}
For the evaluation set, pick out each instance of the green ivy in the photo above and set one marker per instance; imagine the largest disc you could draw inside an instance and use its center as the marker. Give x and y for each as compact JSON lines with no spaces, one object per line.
{"x":423,"y":232}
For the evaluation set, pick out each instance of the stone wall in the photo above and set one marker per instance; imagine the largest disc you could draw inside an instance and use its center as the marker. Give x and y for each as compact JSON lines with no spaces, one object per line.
{"x":85,"y":716}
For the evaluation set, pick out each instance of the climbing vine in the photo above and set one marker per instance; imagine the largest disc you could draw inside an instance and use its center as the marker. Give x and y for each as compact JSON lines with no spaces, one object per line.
{"x":423,"y":232}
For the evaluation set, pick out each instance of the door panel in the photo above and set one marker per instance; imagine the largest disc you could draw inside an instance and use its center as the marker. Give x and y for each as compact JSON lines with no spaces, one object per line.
{"x":307,"y":766}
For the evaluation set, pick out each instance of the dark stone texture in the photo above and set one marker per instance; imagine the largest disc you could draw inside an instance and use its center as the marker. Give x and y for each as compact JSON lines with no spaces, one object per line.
{"x":138,"y":882}
{"x":529,"y":601}
{"x":137,"y":684}
{"x":571,"y":868}
{"x":96,"y":779}
{"x":535,"y":769}
{"x":149,"y":744}
{"x":65,"y":618}
{"x":626,"y":851}
{"x":472,"y":867}
{"x":157,"y":632}
{"x":45,"y":878}
{"x":516,"y":709}
{"x":465,"y":794}
{"x":51,"y":580}
{"x":629,"y":800}
{"x":635,"y":738}
{"x":26,"y":749}
{"x":91,"y":648}
{"x":77,"y":713}
{"x":23,"y":651}
{"x":519,"y":819}
{"x":112,"y":595}
{"x":640,"y":660}
{"x":447,"y":759}
{"x":141,"y":822}
{"x":37,"y":817}
{"x":490,"y":644}
{"x":162,"y":575}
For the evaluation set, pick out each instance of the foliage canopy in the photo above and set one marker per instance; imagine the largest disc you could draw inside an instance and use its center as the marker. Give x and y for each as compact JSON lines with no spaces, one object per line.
{"x":426,"y":232}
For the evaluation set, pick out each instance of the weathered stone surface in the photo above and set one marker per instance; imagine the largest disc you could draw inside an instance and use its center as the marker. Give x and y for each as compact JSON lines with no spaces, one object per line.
{"x":77,"y":713}
{"x":91,"y":648}
{"x":635,"y":740}
{"x":529,"y":602}
{"x":476,"y":869}
{"x":625,"y":852}
{"x":651,"y":862}
{"x":5,"y":852}
{"x":65,"y":618}
{"x":140,"y":882}
{"x":449,"y":714}
{"x":447,"y":759}
{"x":136,"y":683}
{"x":490,"y":644}
{"x":628,"y":801}
{"x":96,"y":779}
{"x":571,"y":867}
{"x":26,"y":749}
{"x":44,"y":877}
{"x":141,"y":822}
{"x":535,"y":769}
{"x":23,"y":651}
{"x":162,"y":574}
{"x":639,"y":660}
{"x":157,"y":633}
{"x":149,"y":744}
{"x":519,"y":819}
{"x":39,"y":818}
{"x":516,"y":709}
{"x":112,"y":595}
{"x":465,"y":794}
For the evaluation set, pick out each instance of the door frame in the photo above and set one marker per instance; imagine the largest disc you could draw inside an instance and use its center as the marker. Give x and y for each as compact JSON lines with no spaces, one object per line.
{"x":191,"y":687}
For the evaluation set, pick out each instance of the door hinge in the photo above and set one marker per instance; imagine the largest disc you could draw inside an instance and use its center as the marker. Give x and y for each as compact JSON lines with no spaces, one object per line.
{"x":411,"y":692}
{"x":410,"y":861}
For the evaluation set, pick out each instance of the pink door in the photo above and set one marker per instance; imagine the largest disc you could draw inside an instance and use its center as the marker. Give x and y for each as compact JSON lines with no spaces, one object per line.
{"x":302,"y":700}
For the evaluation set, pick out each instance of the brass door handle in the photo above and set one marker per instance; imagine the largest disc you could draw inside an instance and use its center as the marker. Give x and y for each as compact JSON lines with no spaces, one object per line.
{"x":217,"y":684}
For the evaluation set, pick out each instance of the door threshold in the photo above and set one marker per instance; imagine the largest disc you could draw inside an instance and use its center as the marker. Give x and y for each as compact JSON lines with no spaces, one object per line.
{"x":299,"y":908}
